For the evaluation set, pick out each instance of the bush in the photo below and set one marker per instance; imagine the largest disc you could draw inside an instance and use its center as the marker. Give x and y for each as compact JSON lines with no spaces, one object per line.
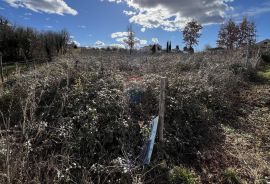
{"x":231,"y":177}
{"x":80,"y":116}
{"x":266,"y":58}
{"x":81,"y":127}
{"x":181,"y":175}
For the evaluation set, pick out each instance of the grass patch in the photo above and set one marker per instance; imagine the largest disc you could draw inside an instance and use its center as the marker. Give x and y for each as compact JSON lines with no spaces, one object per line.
{"x":182,"y":175}
{"x":265,"y":73}
{"x":231,"y":177}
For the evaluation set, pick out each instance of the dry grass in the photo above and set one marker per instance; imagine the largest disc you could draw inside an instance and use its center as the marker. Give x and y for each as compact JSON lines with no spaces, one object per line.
{"x":71,"y":122}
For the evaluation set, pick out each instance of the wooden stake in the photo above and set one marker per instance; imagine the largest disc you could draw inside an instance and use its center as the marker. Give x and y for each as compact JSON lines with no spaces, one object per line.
{"x":163,"y":85}
{"x":1,"y":68}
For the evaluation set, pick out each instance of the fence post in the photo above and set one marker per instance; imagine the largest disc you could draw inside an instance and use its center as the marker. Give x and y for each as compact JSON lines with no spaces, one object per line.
{"x":1,"y":68}
{"x":162,"y":98}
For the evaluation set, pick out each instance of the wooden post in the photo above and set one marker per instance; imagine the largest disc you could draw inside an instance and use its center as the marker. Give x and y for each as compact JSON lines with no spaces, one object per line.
{"x":1,"y":68}
{"x":163,"y":85}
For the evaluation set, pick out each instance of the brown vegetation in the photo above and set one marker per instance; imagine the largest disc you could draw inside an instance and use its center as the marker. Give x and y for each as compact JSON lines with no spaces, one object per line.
{"x":68,"y":122}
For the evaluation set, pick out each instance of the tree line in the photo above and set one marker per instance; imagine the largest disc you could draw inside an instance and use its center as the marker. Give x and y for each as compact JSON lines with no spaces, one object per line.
{"x":26,"y":44}
{"x":231,"y":35}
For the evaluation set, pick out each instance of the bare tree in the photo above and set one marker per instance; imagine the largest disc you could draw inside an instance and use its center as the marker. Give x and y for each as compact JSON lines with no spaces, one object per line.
{"x":228,"y":35}
{"x":191,"y":33}
{"x":131,"y":40}
{"x":62,"y":38}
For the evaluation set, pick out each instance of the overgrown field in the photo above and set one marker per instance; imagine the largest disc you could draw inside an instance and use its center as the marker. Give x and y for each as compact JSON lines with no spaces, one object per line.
{"x":74,"y":120}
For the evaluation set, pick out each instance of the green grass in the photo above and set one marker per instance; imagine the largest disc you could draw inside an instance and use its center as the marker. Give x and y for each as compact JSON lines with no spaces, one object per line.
{"x":181,"y":175}
{"x":265,"y":73}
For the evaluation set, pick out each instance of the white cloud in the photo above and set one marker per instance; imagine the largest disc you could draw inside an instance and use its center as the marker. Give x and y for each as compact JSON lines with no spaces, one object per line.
{"x":129,"y":13}
{"x":117,"y":45}
{"x":172,"y":15}
{"x":115,"y":1}
{"x":143,"y":42}
{"x":121,"y":39}
{"x":48,"y":6}
{"x":76,"y":43}
{"x":143,"y":29}
{"x":99,"y":44}
{"x":254,"y":11}
{"x":122,"y":36}
{"x":72,"y":40}
{"x":155,"y":40}
{"x":119,"y":34}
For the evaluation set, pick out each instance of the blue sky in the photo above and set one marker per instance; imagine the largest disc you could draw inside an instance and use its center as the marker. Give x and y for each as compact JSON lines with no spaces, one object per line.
{"x":93,"y":22}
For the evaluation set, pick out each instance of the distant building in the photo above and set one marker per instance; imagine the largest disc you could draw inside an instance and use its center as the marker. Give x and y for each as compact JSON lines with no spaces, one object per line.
{"x":265,"y":44}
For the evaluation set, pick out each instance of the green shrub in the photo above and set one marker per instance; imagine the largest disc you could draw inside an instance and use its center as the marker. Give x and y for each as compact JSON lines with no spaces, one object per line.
{"x":181,"y":175}
{"x":231,"y":177}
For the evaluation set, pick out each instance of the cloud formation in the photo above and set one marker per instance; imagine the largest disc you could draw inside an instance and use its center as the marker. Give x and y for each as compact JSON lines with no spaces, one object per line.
{"x":99,"y":44}
{"x":253,"y":11}
{"x":76,"y":43}
{"x":155,"y":40}
{"x":143,"y":29}
{"x":129,"y":13}
{"x":122,"y":36}
{"x":59,"y":7}
{"x":119,"y":34}
{"x":116,"y":45}
{"x":171,"y":15}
